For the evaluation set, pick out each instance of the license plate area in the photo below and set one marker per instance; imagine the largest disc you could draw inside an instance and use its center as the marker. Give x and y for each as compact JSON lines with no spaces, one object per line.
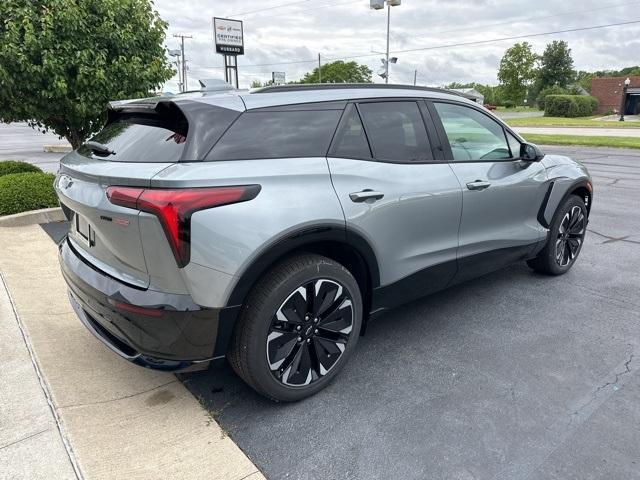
{"x":84,"y":232}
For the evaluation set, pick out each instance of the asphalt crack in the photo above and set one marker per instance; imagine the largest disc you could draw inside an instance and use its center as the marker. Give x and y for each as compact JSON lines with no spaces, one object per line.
{"x":594,"y":395}
{"x":610,"y":239}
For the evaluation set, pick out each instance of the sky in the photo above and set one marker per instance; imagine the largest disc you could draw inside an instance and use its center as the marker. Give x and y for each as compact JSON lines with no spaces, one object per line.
{"x":278,"y":33}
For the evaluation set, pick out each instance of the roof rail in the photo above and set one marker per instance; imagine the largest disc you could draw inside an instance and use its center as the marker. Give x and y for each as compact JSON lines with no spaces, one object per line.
{"x":342,"y":86}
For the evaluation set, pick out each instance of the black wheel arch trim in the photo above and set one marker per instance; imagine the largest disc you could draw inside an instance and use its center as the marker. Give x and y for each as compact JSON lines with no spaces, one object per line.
{"x":297,"y":240}
{"x":545,"y":217}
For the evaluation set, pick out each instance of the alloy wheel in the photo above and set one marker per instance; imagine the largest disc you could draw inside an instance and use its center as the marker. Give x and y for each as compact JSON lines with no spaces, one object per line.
{"x":309,"y":332}
{"x":570,"y":236}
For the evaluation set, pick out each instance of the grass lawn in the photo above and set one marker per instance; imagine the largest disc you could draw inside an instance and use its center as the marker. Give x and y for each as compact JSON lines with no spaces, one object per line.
{"x":568,"y":122}
{"x":614,"y":142}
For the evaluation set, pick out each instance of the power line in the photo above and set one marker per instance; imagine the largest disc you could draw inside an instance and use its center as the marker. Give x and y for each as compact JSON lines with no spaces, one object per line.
{"x":450,"y":45}
{"x":544,"y":17}
{"x":293,"y":12}
{"x":516,"y":37}
{"x":280,"y":5}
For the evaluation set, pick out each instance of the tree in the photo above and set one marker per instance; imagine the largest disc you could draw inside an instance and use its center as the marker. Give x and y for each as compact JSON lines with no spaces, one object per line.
{"x":61,"y":61}
{"x":517,"y":71}
{"x":339,"y":72}
{"x":556,"y":65}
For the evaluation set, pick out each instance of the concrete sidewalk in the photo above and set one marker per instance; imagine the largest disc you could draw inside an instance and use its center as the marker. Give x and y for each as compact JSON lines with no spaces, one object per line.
{"x":66,"y":401}
{"x":581,"y":132}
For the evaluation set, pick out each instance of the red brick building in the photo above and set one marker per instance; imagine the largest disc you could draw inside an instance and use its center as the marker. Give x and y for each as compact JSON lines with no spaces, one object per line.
{"x":608,"y":91}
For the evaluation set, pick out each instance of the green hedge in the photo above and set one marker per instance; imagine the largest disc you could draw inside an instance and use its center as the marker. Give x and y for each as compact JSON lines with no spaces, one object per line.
{"x":553,"y":90}
{"x":570,"y":106}
{"x":11,"y":166}
{"x":20,"y":192}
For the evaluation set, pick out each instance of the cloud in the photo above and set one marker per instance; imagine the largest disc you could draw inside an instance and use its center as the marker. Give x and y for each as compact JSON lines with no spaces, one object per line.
{"x":345,"y":29}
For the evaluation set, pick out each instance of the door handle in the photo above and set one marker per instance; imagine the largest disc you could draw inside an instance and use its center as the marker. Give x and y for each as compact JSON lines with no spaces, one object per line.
{"x":478,"y":185}
{"x":363,"y":196}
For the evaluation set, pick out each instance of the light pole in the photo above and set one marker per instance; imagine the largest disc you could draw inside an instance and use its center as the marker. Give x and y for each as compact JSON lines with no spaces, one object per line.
{"x":176,"y":53}
{"x":378,"y":5}
{"x":623,"y":103}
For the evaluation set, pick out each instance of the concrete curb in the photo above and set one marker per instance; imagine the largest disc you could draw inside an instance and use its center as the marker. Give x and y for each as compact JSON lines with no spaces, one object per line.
{"x":57,"y":148}
{"x":33,"y":217}
{"x":119,"y":420}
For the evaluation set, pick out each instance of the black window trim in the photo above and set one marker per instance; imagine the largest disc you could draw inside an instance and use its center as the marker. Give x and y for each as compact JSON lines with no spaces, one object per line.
{"x":374,"y":158}
{"x":445,"y":140}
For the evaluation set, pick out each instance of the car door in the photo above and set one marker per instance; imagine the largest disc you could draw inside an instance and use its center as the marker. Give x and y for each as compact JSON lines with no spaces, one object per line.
{"x":501,"y":193}
{"x":397,"y":197}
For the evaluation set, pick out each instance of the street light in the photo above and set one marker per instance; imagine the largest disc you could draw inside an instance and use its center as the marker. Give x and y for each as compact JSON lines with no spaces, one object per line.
{"x":378,"y":5}
{"x":176,"y":53}
{"x":623,"y":103}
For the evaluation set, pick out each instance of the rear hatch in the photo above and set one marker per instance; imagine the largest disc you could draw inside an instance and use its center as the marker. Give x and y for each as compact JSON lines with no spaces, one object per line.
{"x":136,"y":147}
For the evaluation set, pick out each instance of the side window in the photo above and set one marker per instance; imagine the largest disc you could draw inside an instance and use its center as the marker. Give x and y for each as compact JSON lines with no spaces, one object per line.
{"x":396,"y":131}
{"x":277,"y":134}
{"x":350,"y":140}
{"x":472,"y":135}
{"x":514,"y":144}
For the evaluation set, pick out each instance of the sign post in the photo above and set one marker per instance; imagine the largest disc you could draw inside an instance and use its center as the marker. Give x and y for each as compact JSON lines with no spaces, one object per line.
{"x":229,"y":39}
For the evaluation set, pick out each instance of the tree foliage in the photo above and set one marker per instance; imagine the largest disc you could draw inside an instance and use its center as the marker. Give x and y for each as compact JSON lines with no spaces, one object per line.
{"x":556,"y":65}
{"x":61,"y":61}
{"x":339,"y":72}
{"x":517,"y":71}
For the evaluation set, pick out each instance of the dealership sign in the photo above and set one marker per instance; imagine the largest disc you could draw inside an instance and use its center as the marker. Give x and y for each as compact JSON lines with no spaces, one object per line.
{"x":279,"y":78}
{"x":228,"y":36}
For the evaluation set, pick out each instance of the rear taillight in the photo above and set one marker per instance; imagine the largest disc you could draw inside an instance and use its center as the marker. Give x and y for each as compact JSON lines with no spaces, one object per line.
{"x":174,"y":208}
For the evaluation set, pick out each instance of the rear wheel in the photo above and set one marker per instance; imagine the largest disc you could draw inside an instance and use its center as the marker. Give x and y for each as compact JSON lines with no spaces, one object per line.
{"x":297,"y":328}
{"x":566,"y":236}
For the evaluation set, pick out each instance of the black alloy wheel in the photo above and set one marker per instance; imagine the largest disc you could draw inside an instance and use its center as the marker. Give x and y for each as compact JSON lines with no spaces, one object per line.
{"x":309,"y":332}
{"x":297,"y":328}
{"x":570,"y":236}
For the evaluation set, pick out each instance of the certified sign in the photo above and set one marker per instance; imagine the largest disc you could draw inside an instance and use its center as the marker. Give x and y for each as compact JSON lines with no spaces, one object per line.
{"x":228,"y":36}
{"x":279,"y":78}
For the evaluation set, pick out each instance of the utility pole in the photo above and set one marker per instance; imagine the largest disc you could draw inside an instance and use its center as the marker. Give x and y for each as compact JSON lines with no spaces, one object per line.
{"x":184,"y":60}
{"x":319,"y":70}
{"x":386,"y":64}
{"x":415,"y":77}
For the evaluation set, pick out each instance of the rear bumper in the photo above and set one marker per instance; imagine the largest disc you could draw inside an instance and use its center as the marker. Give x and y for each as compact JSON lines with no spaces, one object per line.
{"x":178,"y":335}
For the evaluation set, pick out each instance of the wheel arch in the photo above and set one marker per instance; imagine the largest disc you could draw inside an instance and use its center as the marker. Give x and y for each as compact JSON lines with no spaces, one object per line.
{"x":333,"y":241}
{"x":559,"y":190}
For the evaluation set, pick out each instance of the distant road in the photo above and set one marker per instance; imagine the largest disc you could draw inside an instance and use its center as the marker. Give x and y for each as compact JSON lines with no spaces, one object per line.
{"x":582,"y":132}
{"x":18,"y":141}
{"x":511,"y":115}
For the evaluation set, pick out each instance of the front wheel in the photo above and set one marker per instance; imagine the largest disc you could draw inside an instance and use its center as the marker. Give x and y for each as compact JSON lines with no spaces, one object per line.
{"x":297,"y":328}
{"x":566,"y":236}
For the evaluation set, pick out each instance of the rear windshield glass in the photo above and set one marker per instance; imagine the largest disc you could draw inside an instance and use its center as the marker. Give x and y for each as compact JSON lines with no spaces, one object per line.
{"x":134,"y":141}
{"x":284,"y":134}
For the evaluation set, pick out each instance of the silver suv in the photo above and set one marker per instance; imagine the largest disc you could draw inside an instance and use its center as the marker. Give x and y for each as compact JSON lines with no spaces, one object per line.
{"x":270,"y":227}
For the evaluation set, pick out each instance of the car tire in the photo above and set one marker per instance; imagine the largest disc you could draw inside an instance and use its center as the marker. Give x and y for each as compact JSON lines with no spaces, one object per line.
{"x":565,"y":238}
{"x":297,"y":328}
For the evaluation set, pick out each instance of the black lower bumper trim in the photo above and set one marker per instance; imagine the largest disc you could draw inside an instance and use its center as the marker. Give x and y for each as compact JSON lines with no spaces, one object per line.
{"x":184,"y":336}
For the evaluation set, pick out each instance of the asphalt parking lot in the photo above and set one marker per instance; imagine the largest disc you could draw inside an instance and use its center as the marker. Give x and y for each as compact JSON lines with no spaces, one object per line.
{"x":511,"y":376}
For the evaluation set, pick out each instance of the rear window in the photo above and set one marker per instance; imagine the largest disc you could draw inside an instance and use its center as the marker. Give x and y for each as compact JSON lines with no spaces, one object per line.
{"x":139,"y":140}
{"x":273,"y":134}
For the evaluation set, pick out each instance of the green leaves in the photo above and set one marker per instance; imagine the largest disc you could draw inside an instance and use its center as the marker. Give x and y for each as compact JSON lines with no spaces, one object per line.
{"x":517,"y":71}
{"x":339,"y":72}
{"x":61,"y":61}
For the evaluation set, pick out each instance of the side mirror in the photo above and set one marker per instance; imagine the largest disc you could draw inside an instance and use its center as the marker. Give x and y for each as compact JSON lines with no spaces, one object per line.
{"x":530,"y":153}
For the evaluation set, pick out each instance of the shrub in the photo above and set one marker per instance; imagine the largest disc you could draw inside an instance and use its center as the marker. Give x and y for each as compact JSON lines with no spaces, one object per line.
{"x":570,"y":106}
{"x":554,"y":90}
{"x":11,"y":166}
{"x":509,"y":104}
{"x":20,"y":192}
